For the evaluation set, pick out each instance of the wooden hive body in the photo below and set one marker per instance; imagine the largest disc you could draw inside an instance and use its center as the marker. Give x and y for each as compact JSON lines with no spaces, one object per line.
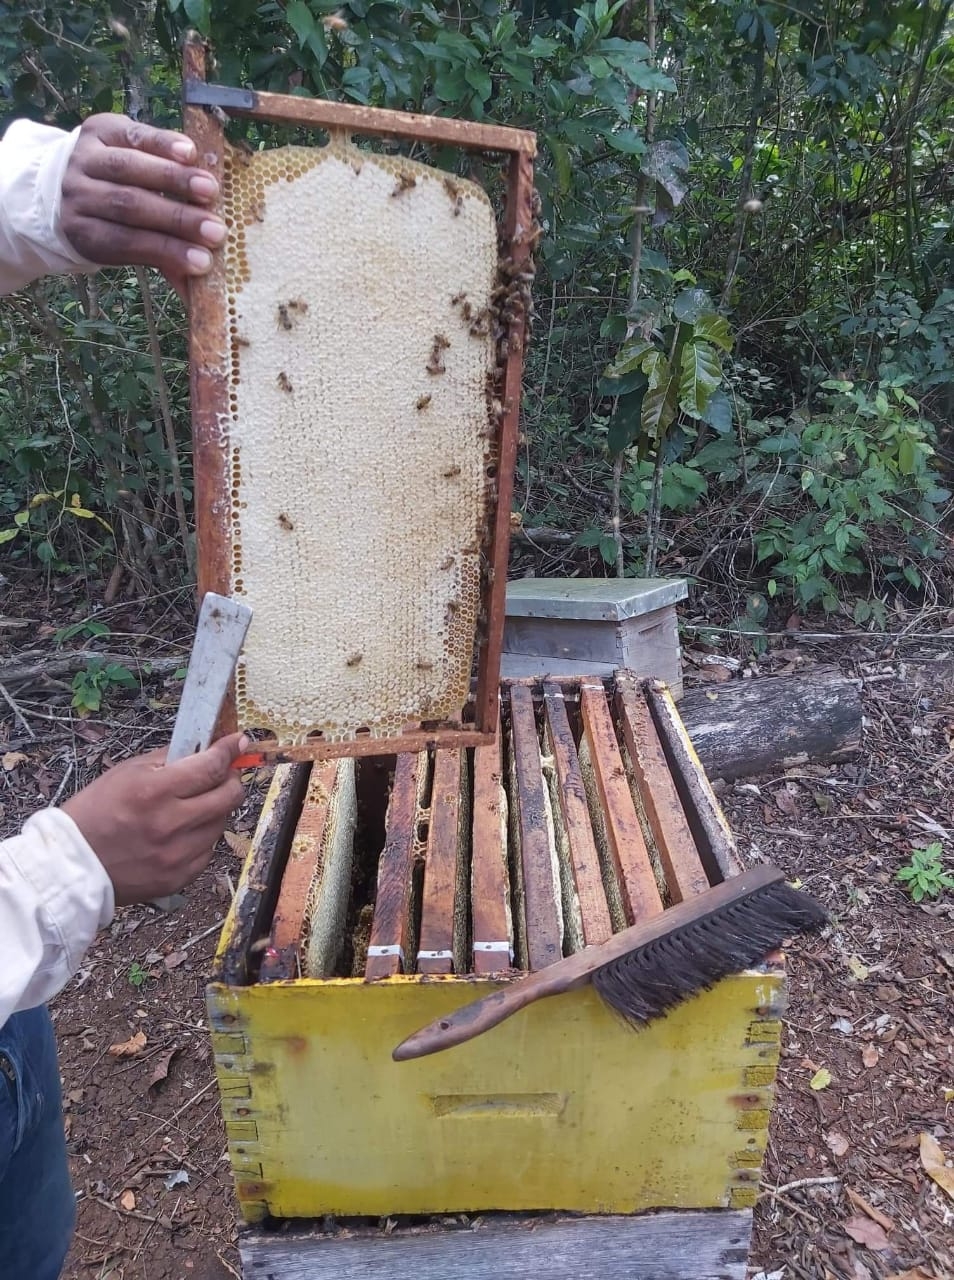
{"x":561,"y":1108}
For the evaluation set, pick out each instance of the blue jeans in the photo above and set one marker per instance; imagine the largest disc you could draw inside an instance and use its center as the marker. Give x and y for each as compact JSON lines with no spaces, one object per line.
{"x":37,"y":1205}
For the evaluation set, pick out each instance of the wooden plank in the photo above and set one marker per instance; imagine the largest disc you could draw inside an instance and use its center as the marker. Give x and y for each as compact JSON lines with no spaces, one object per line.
{"x":657,"y":1246}
{"x":390,"y":941}
{"x":490,"y":882}
{"x":624,"y":837}
{"x":518,"y":228}
{"x":584,"y":857}
{"x":319,"y":113}
{"x":540,"y":874}
{"x":248,"y":919}
{"x":711,"y":832}
{"x":440,"y":906}
{"x":209,"y":366}
{"x":685,"y":874}
{"x":283,"y":956}
{"x":268,"y":751}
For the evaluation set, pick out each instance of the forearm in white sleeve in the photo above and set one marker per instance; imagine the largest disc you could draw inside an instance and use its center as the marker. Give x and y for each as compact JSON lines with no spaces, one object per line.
{"x":33,"y":159}
{"x":54,"y":896}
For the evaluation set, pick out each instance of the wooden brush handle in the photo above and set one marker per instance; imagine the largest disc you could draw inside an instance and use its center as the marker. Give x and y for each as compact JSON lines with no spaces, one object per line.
{"x":574,"y":971}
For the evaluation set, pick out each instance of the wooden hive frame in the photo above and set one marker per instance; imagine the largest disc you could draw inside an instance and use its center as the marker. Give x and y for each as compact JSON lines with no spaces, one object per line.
{"x":206,"y":109}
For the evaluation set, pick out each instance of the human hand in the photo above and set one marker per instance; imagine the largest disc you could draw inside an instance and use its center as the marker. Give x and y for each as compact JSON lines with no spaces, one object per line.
{"x":132,"y":195}
{"x":152,"y":825}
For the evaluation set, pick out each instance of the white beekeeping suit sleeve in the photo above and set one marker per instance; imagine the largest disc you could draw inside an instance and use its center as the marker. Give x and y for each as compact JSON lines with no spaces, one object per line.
{"x":54,"y":897}
{"x":33,"y":159}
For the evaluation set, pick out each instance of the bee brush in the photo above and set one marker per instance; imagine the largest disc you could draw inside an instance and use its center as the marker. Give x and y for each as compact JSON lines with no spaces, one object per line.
{"x":647,"y":969}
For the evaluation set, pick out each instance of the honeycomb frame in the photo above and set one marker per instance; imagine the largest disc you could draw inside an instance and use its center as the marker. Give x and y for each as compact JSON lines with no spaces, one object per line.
{"x":456,"y":723}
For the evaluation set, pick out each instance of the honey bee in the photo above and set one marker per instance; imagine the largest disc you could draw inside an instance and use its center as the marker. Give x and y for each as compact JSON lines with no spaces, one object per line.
{"x":354,"y":660}
{"x":423,"y":401}
{"x":457,"y":299}
{"x":285,"y":523}
{"x":241,"y":342}
{"x":447,"y":563}
{"x":436,"y":362}
{"x":424,"y":665}
{"x":286,"y":310}
{"x":404,"y":183}
{"x":284,"y":383}
{"x":257,"y":210}
{"x":450,"y":472}
{"x":452,"y":189}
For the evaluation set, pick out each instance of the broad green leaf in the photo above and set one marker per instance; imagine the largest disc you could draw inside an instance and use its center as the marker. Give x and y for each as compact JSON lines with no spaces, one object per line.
{"x":821,"y":1079}
{"x":562,"y":163}
{"x":626,"y":141}
{"x":907,"y":456}
{"x":667,"y":162}
{"x":300,"y":19}
{"x":701,"y":374}
{"x":21,"y":518}
{"x":624,"y":425}
{"x":718,"y":413}
{"x":7,"y":535}
{"x":630,"y":358}
{"x":690,"y":305}
{"x":715,"y":329}
{"x":198,"y":13}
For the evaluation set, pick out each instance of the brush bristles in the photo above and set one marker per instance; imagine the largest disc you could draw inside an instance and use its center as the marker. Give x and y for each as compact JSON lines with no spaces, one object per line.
{"x":648,"y":982}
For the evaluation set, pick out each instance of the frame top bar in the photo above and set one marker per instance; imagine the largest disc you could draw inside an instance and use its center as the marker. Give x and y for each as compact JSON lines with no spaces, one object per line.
{"x":285,"y":108}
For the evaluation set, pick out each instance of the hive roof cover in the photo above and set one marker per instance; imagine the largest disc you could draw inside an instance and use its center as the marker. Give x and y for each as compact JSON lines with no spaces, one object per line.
{"x":591,"y":599}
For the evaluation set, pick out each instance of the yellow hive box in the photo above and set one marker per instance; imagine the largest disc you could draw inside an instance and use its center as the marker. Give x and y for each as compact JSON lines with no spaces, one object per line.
{"x":563,"y":1107}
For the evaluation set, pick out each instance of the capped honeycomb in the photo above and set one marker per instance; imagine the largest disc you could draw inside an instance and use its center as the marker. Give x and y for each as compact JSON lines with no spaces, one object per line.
{"x":360,"y":434}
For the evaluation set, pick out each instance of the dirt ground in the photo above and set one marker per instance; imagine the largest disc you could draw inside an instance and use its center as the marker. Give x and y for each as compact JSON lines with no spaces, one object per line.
{"x":867,"y":1067}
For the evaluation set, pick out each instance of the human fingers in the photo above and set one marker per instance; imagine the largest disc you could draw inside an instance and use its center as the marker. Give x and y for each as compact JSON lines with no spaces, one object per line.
{"x":116,"y":130}
{"x":125,"y":168}
{"x":110,"y":243}
{"x":207,"y":770}
{"x":131,"y":206}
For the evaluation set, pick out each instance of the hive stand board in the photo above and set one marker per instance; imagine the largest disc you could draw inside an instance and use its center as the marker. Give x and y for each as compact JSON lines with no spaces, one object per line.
{"x":658,"y":1246}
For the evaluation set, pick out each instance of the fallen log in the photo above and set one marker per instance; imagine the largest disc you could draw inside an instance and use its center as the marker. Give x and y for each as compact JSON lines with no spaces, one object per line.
{"x":16,"y":674}
{"x":744,"y":727}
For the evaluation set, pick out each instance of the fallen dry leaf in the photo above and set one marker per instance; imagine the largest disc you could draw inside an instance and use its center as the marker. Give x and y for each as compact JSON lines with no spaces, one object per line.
{"x":915,"y":1274}
{"x":870,"y":1056}
{"x":175,"y":958}
{"x":870,"y":1234}
{"x":861,"y":1203}
{"x":161,"y":1069}
{"x":837,"y":1143}
{"x":129,"y":1048}
{"x":859,"y":970}
{"x":11,"y":759}
{"x":127,"y":1201}
{"x":820,"y":1080}
{"x":932,"y":1162}
{"x":239,"y":844}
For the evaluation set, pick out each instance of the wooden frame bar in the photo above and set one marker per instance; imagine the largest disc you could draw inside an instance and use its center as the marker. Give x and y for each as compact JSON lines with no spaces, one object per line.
{"x":707,"y":822}
{"x":282,"y":957}
{"x":543,"y":933}
{"x":584,"y":856}
{"x":490,"y":883}
{"x":439,"y":907}
{"x":685,"y":874}
{"x":626,"y":845}
{"x":390,"y":942}
{"x":210,"y":357}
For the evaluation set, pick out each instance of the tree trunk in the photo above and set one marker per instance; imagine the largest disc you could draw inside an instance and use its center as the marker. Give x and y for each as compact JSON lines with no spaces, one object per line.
{"x":746,"y":727}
